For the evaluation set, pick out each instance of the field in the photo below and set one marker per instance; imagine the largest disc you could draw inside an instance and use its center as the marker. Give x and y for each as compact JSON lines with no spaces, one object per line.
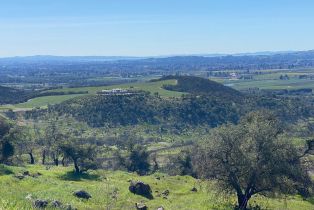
{"x":44,"y":101}
{"x":59,"y":183}
{"x":146,"y":86}
{"x":267,"y":80}
{"x":151,"y":87}
{"x":270,"y":84}
{"x":270,"y":79}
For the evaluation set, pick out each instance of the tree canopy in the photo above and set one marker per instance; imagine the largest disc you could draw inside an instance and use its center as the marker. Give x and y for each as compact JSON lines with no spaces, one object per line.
{"x":253,"y":157}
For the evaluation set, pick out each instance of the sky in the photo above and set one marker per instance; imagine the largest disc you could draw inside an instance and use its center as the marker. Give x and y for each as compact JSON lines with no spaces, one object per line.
{"x":153,"y":27}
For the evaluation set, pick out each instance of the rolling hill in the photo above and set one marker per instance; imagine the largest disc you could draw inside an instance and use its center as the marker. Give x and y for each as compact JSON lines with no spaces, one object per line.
{"x":198,"y":85}
{"x":203,"y":102}
{"x":12,"y":96}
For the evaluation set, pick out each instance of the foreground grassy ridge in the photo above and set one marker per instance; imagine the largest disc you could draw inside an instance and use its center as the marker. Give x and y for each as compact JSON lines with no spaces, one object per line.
{"x":59,"y":183}
{"x":146,"y":86}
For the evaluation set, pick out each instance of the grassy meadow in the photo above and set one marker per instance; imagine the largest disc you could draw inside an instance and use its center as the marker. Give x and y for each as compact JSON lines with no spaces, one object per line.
{"x":59,"y":183}
{"x":152,"y":87}
{"x":268,"y":80}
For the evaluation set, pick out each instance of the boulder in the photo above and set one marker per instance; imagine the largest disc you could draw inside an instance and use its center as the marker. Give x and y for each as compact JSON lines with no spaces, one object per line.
{"x":69,"y":207}
{"x":40,"y":204}
{"x":140,"y":206}
{"x":165,"y":193}
{"x":194,"y":189}
{"x":56,"y":204}
{"x":140,"y":188}
{"x":19,"y":176}
{"x":26,"y":173}
{"x":35,"y":175}
{"x":82,"y":194}
{"x":160,"y":208}
{"x":29,"y":197}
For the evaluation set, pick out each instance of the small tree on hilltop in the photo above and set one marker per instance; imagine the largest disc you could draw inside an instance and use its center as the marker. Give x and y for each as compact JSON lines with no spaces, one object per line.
{"x":252,"y":157}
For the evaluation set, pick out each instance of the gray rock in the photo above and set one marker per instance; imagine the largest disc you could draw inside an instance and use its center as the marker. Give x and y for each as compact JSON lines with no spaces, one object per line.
{"x":35,"y":175}
{"x":194,"y":189}
{"x":29,"y":197}
{"x":160,"y":208}
{"x":165,"y":193}
{"x":140,"y":188}
{"x":140,"y":206}
{"x":19,"y":176}
{"x":40,"y":204}
{"x":82,"y":194}
{"x":56,"y":204}
{"x":69,"y":207}
{"x":26,"y":173}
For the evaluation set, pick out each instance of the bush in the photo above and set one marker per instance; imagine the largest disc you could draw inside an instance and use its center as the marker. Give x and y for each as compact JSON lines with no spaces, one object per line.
{"x":137,"y":160}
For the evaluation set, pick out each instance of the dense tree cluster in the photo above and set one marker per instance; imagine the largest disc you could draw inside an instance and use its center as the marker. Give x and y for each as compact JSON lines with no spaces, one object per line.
{"x":189,"y":110}
{"x":12,"y":96}
{"x":252,"y":157}
{"x":201,"y":86}
{"x":192,"y":109}
{"x":6,"y":146}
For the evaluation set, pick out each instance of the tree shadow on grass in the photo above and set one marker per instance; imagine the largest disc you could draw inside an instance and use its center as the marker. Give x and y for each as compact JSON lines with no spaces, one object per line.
{"x":4,"y":170}
{"x":72,"y":176}
{"x":311,"y":200}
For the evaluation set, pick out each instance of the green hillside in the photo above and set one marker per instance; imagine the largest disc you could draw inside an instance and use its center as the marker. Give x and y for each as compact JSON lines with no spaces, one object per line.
{"x":43,"y":101}
{"x":110,"y":189}
{"x":11,"y":95}
{"x":198,"y":85}
{"x":142,"y":108}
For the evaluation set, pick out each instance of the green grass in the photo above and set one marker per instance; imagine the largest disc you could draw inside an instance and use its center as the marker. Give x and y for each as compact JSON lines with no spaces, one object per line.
{"x":269,"y":79}
{"x":6,"y":108}
{"x":45,"y":100}
{"x":146,"y":86}
{"x":58,"y":183}
{"x":264,"y":81}
{"x":269,"y":84}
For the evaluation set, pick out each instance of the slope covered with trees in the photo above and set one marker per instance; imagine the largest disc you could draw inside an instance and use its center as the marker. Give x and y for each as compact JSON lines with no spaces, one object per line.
{"x":207,"y":103}
{"x":11,"y":95}
{"x":202,"y":86}
{"x":143,"y":108}
{"x":251,"y":154}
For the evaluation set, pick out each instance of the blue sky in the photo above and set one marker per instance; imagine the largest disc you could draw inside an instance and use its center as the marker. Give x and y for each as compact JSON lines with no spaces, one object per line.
{"x":154,"y":27}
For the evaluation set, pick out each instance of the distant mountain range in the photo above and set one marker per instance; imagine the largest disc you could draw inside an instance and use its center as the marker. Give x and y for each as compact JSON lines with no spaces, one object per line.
{"x":43,"y":58}
{"x":119,"y":58}
{"x":179,"y":63}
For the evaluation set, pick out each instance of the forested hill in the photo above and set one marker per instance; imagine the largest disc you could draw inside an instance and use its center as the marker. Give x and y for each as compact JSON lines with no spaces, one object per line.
{"x":12,"y":96}
{"x":207,"y":103}
{"x":118,"y":110}
{"x":198,"y":85}
{"x":215,"y":105}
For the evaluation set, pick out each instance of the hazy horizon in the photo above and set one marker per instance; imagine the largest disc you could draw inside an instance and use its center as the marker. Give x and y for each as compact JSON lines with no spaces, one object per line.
{"x":167,"y":55}
{"x":160,"y":28}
